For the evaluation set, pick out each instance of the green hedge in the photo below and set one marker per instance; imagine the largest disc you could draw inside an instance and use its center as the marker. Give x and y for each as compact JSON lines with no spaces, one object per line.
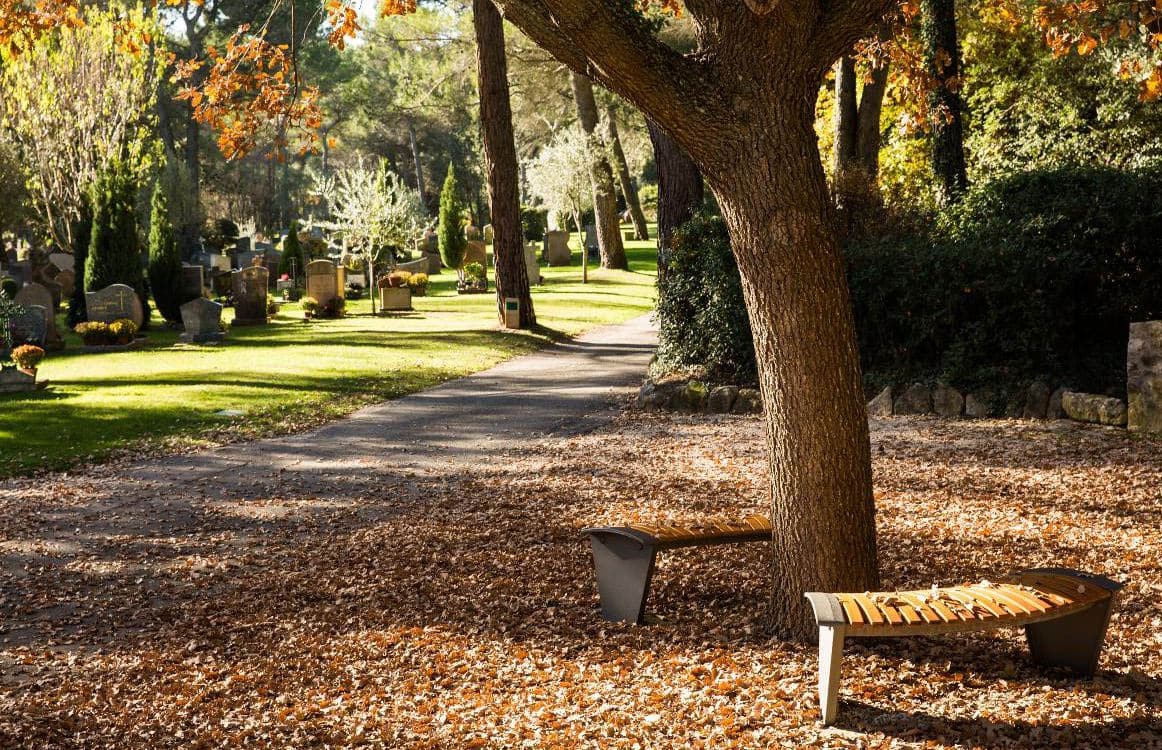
{"x":1037,"y":275}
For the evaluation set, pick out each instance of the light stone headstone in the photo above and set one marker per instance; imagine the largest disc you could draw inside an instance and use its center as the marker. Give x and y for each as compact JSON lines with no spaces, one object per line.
{"x":63,"y":261}
{"x":557,"y":250}
{"x":37,"y":295}
{"x":1144,"y":377}
{"x":250,"y":288}
{"x":531,"y":267}
{"x":476,"y":252}
{"x":489,"y":234}
{"x":68,"y":281}
{"x":322,"y":281}
{"x":114,"y":302}
{"x":201,"y":319}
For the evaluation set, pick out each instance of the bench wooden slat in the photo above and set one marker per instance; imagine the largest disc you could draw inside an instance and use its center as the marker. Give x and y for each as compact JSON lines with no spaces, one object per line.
{"x":894,"y":617}
{"x":996,"y":596}
{"x":869,"y":607}
{"x":1004,"y":594}
{"x":1024,"y":598}
{"x":918,"y":604}
{"x":851,"y":609}
{"x":908,"y":612}
{"x":974,"y":603}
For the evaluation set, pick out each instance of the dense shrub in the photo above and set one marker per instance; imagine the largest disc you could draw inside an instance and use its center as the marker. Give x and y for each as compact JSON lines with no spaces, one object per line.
{"x":701,"y":313}
{"x":1033,"y":276}
{"x":533,"y":222}
{"x":165,"y":263}
{"x":82,"y":232}
{"x":114,"y":247}
{"x":450,"y":232}
{"x":1038,"y":274}
{"x":292,"y":262}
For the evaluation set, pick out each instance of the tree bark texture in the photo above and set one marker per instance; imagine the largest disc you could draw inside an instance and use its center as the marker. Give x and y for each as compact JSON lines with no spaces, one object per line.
{"x":604,"y":196}
{"x":628,"y":189}
{"x":500,"y":162}
{"x":857,"y":141}
{"x":742,"y":107}
{"x":680,"y":189}
{"x":942,"y":56}
{"x":415,"y":144}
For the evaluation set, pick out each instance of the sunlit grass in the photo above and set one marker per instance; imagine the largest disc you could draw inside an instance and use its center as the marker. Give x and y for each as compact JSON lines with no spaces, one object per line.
{"x":291,"y":374}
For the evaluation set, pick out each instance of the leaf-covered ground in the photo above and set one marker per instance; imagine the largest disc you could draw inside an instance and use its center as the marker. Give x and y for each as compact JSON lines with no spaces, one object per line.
{"x":449,"y":610}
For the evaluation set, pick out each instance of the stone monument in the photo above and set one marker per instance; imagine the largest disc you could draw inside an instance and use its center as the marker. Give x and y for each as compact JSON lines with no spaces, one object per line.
{"x":36,"y":295}
{"x":250,"y":288}
{"x":1144,"y":377}
{"x":114,"y":302}
{"x":201,"y":319}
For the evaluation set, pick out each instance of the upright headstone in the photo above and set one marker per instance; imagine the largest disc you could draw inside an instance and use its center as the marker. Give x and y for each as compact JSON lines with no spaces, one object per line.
{"x":591,"y":237}
{"x":322,"y":281}
{"x":242,"y":245}
{"x":114,"y":302}
{"x":1144,"y":377}
{"x":201,"y":319}
{"x":250,"y":288}
{"x":476,"y":252}
{"x":193,"y":282}
{"x":29,"y":326}
{"x":489,"y":234}
{"x":557,"y":250}
{"x":35,"y":295}
{"x":68,"y":281}
{"x":63,"y":261}
{"x":531,"y":267}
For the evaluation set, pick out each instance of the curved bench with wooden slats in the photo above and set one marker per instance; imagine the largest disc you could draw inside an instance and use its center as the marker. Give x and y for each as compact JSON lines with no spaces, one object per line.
{"x":1064,"y":613}
{"x":623,"y":557}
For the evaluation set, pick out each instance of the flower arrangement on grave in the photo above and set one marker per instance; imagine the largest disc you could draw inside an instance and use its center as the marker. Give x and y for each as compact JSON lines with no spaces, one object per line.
{"x":271,"y":307}
{"x":475,"y":279}
{"x":122,"y":330}
{"x":419,"y":284}
{"x":395,"y":279}
{"x":310,"y":307}
{"x":93,"y":333}
{"x":27,"y":357}
{"x":354,"y":290}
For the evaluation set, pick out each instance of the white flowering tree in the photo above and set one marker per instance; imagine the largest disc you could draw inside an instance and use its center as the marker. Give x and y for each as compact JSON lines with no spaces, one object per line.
{"x":375,"y":211}
{"x":559,"y":176}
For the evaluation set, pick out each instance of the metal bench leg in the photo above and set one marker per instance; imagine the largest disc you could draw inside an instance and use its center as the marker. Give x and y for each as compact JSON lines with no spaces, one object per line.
{"x":831,"y":639}
{"x":624,"y":568}
{"x":1073,"y":641}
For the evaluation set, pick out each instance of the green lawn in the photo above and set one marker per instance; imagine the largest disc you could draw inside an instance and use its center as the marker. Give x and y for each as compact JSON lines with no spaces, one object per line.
{"x":291,"y":374}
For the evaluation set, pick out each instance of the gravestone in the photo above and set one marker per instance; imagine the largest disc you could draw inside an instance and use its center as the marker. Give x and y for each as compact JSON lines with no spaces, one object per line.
{"x":201,"y":319}
{"x":193,"y":282}
{"x":29,"y":326}
{"x":242,"y":245}
{"x":476,"y":252}
{"x":591,"y":238}
{"x":68,"y":281}
{"x":531,"y":267}
{"x":250,"y":288}
{"x":557,"y":250}
{"x":35,"y":295}
{"x":489,"y":234}
{"x":323,"y":281}
{"x":114,"y":302}
{"x":63,"y":261}
{"x":1144,"y":377}
{"x":246,"y":259}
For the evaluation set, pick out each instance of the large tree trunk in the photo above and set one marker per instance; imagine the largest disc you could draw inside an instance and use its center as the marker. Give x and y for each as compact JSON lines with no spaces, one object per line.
{"x":774,"y":199}
{"x":680,"y":189}
{"x":942,"y":56}
{"x":604,"y":196}
{"x":628,"y":189}
{"x":857,"y":142}
{"x":846,"y":115}
{"x":500,"y":162}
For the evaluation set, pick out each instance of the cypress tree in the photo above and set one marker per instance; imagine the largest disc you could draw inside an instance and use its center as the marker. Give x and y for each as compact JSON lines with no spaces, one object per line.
{"x":165,"y":263}
{"x":82,"y":231}
{"x":292,"y":250}
{"x":114,"y":248}
{"x":451,"y":232}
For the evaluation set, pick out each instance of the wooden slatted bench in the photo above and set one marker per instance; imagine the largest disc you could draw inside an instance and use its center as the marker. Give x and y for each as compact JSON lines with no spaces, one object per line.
{"x":1064,"y":613}
{"x":623,"y":557}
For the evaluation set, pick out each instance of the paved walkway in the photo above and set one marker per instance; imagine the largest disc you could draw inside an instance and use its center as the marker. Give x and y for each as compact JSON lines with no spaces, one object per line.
{"x":132,"y":521}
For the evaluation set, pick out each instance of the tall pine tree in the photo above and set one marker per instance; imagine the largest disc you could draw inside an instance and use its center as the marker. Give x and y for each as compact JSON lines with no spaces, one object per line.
{"x":165,"y":263}
{"x":451,"y":230}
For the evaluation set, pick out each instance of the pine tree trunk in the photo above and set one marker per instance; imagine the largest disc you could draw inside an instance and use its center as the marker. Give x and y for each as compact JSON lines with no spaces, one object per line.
{"x":942,"y":55}
{"x":628,"y":189}
{"x":846,"y":115}
{"x":415,"y":144}
{"x":774,"y":199}
{"x":500,"y":162}
{"x":680,"y":188}
{"x":871,"y":104}
{"x":604,"y":196}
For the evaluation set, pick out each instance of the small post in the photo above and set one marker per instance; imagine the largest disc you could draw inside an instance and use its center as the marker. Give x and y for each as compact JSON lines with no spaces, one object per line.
{"x":512,"y":312}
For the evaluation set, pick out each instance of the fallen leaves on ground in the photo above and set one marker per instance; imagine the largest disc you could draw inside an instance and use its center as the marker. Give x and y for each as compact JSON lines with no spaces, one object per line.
{"x":428,"y":610}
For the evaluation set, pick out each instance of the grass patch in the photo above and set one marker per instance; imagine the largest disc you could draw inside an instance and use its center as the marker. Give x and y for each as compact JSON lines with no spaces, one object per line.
{"x":291,"y":375}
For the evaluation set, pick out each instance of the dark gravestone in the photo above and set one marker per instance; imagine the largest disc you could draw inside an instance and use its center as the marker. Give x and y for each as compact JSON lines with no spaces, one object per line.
{"x":250,"y":288}
{"x":201,"y":319}
{"x":37,"y":295}
{"x":193,"y":282}
{"x":68,"y":281}
{"x":222,"y":283}
{"x":114,"y":302}
{"x":29,"y":326}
